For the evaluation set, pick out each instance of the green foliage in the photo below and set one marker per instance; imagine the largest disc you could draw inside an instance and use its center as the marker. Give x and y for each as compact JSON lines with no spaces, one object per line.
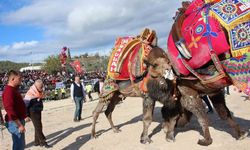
{"x":94,"y":62}
{"x":8,"y":65}
{"x":52,"y":64}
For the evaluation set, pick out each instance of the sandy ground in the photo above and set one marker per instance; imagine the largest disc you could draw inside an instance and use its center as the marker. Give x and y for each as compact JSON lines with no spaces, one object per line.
{"x":63,"y":133}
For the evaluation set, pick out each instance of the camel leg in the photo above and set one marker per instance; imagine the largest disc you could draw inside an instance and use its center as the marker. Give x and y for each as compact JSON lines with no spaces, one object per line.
{"x":111,"y":106}
{"x":193,"y":103}
{"x":184,"y":118}
{"x":224,"y":113}
{"x":95,"y":115}
{"x":170,"y":116}
{"x":148,"y":109}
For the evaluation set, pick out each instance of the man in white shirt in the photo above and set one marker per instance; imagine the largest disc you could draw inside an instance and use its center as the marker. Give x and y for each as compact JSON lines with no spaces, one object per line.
{"x":77,"y":91}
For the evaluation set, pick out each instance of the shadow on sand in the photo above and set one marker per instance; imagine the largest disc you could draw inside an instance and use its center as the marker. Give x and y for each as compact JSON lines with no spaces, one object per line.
{"x":56,"y":137}
{"x":215,"y":122}
{"x":247,"y":98}
{"x":81,"y":140}
{"x":156,"y":118}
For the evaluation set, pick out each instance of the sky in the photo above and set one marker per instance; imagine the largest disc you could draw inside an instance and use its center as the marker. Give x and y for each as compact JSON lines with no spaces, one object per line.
{"x":31,"y":30}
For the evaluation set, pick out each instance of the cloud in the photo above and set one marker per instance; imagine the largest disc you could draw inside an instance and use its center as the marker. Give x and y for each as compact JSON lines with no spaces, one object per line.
{"x":87,"y":26}
{"x":18,"y":47}
{"x":29,"y":51}
{"x":24,"y":45}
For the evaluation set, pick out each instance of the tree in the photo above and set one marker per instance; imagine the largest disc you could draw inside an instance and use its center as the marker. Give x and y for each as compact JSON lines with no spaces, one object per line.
{"x":8,"y":65}
{"x":85,"y":55}
{"x":97,"y":55}
{"x":52,"y":64}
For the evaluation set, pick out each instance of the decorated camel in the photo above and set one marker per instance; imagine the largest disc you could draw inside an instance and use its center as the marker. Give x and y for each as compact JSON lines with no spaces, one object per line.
{"x":208,"y":49}
{"x":127,"y":73}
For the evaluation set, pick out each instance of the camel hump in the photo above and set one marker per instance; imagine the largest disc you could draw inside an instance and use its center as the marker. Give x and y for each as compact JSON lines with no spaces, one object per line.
{"x":128,"y":55}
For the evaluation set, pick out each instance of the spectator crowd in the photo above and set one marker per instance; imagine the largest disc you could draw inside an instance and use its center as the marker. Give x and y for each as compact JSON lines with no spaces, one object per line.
{"x":50,"y":80}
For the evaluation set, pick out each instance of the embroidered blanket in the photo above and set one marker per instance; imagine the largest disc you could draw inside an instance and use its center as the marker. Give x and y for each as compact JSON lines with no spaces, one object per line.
{"x":202,"y":32}
{"x":128,"y":54}
{"x":108,"y":88}
{"x":234,"y":16}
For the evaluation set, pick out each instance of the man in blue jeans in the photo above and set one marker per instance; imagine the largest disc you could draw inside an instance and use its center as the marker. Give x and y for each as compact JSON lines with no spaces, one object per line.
{"x":16,"y":111}
{"x":77,"y":91}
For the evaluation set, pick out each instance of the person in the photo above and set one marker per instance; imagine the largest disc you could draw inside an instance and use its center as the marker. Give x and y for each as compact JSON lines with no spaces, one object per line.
{"x":56,"y":97}
{"x":34,"y":103}
{"x":227,"y":90}
{"x":1,"y":121}
{"x":89,"y":90}
{"x":77,"y":92}
{"x":1,"y":116}
{"x":15,"y":110}
{"x":206,"y":100}
{"x":97,"y":87}
{"x":101,"y":82}
{"x":63,"y":92}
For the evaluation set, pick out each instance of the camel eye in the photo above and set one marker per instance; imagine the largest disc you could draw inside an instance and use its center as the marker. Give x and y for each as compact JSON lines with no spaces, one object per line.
{"x":155,"y":65}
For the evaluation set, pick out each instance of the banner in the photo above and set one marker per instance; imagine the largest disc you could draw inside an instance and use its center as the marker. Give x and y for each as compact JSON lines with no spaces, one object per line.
{"x":77,"y":66}
{"x":63,"y":56}
{"x":60,"y":85}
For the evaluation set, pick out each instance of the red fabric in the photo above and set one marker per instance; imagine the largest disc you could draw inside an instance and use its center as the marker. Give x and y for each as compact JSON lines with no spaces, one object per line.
{"x":63,"y":56}
{"x":53,"y":82}
{"x":200,"y":52}
{"x":124,"y":71}
{"x":124,"y":75}
{"x":127,"y":50}
{"x":13,"y":104}
{"x":193,"y":7}
{"x":120,"y":43}
{"x":195,"y":33}
{"x":173,"y":55}
{"x":77,"y":66}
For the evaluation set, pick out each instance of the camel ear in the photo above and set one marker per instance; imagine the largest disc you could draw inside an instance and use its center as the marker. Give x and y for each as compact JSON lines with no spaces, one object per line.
{"x":154,"y":42}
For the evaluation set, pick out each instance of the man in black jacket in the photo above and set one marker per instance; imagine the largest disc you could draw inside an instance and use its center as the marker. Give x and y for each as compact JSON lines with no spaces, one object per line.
{"x":77,"y":91}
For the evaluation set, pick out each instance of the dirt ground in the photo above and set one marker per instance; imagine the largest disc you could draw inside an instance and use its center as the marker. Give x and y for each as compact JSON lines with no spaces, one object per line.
{"x":63,"y":133}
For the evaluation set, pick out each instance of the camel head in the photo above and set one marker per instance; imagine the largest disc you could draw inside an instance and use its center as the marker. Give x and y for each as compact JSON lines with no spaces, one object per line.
{"x":159,"y":64}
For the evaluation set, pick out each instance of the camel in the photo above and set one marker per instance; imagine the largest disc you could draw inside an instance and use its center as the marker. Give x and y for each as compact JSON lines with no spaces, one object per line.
{"x":120,"y":89}
{"x":189,"y":102}
{"x":200,"y":53}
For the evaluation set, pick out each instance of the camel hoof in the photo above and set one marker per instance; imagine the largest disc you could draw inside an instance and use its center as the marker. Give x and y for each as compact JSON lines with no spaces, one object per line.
{"x":243,"y":135}
{"x":93,"y":137}
{"x":145,"y":140}
{"x":170,"y":138}
{"x":116,"y":130}
{"x":205,"y":142}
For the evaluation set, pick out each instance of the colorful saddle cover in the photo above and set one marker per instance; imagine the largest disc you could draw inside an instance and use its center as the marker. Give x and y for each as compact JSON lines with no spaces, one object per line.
{"x":128,"y":54}
{"x":202,"y":33}
{"x":239,"y":71}
{"x":234,"y":16}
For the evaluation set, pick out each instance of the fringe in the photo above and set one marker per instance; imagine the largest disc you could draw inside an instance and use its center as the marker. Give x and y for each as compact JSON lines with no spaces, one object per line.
{"x":229,"y":27}
{"x":233,"y":24}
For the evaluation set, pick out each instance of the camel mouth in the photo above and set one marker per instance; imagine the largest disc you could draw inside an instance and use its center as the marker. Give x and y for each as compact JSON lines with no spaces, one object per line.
{"x":169,"y":74}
